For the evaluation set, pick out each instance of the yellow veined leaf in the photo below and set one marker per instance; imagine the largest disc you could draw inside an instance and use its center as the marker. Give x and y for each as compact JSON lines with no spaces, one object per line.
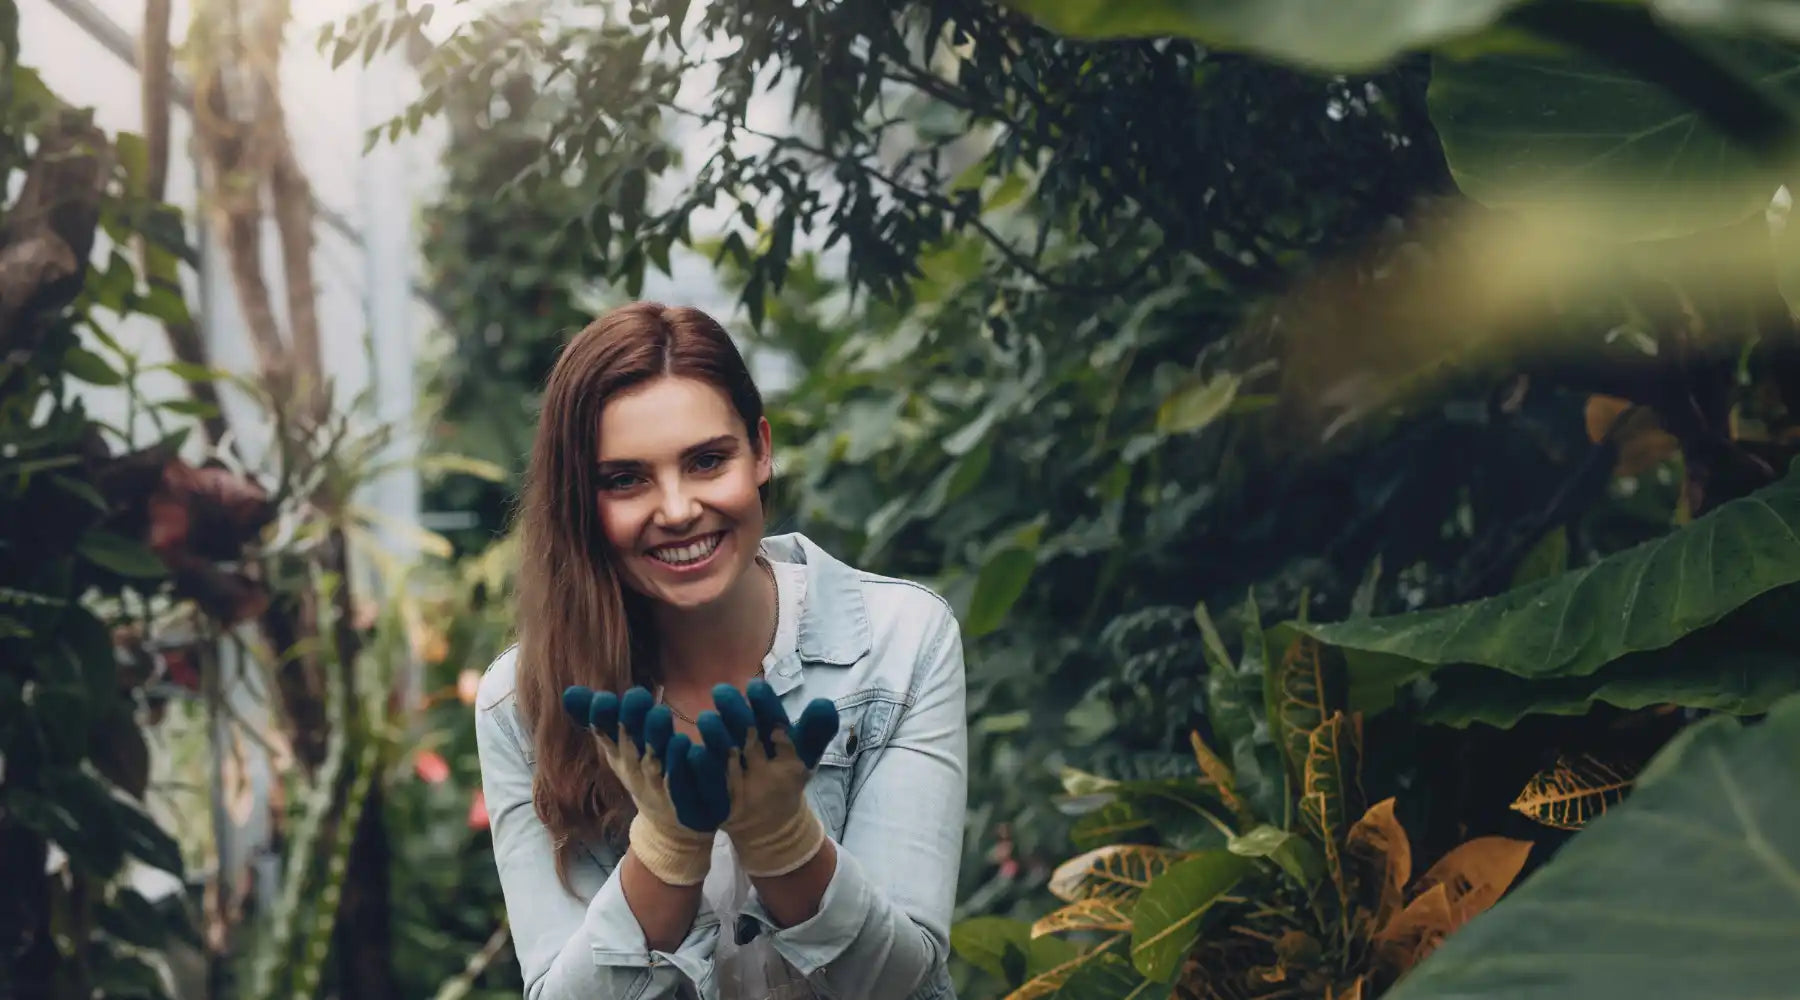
{"x":1094,"y":914}
{"x":1332,"y":789}
{"x":1220,"y":775}
{"x":1309,"y":687}
{"x":1354,"y":991}
{"x":1476,"y":874}
{"x":1572,"y":791}
{"x":1116,"y":871}
{"x":1379,"y":846}
{"x":1050,"y":980}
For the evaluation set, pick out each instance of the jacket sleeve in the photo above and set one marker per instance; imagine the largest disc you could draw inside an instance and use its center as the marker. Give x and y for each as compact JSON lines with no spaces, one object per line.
{"x":883,"y":926}
{"x":585,"y":946}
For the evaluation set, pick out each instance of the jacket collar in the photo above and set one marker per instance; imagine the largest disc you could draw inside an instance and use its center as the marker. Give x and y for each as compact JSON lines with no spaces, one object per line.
{"x":834,"y":619}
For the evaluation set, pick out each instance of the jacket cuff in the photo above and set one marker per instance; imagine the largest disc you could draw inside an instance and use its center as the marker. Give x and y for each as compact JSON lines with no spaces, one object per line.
{"x":619,"y":947}
{"x":816,"y":942}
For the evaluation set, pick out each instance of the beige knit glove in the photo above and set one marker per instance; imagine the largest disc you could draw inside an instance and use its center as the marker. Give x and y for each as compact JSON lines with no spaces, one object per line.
{"x":767,"y":765}
{"x":637,"y":737}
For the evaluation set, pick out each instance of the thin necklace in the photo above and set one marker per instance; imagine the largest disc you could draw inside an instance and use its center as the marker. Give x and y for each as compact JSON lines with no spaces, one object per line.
{"x":774,"y":627}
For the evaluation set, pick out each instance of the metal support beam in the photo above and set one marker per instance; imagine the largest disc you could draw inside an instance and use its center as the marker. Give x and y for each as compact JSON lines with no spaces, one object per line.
{"x":115,"y":39}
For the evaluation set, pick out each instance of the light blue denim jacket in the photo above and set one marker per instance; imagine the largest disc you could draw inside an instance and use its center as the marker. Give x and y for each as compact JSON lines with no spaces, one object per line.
{"x":891,"y":790}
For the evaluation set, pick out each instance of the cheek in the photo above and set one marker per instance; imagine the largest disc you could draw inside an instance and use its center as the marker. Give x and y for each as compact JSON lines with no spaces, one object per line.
{"x":619,"y":520}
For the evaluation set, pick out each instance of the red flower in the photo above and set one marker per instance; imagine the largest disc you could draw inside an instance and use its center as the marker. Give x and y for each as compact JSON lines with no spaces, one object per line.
{"x":478,"y":816}
{"x":431,"y":767}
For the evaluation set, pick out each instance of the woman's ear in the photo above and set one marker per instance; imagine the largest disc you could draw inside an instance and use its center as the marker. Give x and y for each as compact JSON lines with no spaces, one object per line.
{"x":765,"y":459}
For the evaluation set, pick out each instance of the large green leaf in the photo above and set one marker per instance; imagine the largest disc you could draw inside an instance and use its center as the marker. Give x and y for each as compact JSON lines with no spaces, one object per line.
{"x":1643,"y":598}
{"x":1690,"y":888}
{"x":1755,"y":18}
{"x":1320,"y":34}
{"x":1167,"y":917}
{"x":1742,"y":665}
{"x":1550,"y":133}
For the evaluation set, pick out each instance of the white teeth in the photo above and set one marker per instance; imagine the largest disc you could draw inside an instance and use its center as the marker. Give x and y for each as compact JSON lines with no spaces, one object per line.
{"x":693,"y":552}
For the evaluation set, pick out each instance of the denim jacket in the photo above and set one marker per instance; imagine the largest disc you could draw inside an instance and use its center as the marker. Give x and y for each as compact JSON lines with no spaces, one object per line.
{"x":890,"y":789}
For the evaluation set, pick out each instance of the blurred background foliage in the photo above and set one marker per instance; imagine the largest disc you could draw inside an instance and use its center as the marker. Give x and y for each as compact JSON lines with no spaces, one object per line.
{"x":1354,"y":439}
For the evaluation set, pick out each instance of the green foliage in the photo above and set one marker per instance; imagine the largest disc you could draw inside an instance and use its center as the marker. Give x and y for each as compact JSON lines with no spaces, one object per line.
{"x":1192,"y":882}
{"x":1611,"y":631}
{"x":514,"y":275}
{"x":1700,"y":860}
{"x":74,"y":566}
{"x":1045,"y":372}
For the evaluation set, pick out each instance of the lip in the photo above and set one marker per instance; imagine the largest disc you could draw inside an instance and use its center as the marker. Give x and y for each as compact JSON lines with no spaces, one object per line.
{"x":691,"y":568}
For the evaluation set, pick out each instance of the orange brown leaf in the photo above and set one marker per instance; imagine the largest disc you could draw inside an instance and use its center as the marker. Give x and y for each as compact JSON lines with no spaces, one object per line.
{"x":1220,"y":775}
{"x":1415,"y":931}
{"x":1634,"y":430}
{"x":1475,"y":874}
{"x":1379,"y":847}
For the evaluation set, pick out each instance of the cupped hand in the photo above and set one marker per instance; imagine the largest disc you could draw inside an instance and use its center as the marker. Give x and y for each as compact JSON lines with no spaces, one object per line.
{"x":678,"y":810}
{"x":766,"y":761}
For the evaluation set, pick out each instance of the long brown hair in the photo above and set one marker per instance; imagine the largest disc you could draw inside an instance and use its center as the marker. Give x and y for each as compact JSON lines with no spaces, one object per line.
{"x":577,"y":621}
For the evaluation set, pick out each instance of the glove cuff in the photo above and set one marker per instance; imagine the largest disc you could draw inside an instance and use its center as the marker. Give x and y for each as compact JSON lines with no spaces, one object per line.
{"x":676,"y":857}
{"x":782,"y":847}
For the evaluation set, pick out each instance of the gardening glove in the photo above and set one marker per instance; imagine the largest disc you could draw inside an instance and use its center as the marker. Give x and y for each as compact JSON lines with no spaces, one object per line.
{"x":672,"y":833}
{"x":766,"y":764}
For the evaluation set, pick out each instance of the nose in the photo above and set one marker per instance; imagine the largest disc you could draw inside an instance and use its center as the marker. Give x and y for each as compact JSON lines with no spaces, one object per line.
{"x":677,"y":507}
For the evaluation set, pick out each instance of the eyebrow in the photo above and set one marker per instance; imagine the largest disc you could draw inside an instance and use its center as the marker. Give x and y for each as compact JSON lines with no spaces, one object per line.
{"x":723,"y":441}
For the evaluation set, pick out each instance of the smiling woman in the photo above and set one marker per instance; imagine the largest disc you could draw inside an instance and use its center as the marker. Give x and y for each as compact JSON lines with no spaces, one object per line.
{"x":660,"y":828}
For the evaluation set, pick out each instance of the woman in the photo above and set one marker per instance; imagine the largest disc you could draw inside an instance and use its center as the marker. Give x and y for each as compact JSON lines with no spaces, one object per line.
{"x":643,"y":567}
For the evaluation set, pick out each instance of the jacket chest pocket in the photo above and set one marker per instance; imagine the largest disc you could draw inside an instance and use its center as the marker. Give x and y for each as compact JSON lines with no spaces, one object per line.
{"x":865,"y":723}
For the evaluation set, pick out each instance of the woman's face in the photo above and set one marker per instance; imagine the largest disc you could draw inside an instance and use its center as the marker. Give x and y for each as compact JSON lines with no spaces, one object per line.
{"x":678,"y":489}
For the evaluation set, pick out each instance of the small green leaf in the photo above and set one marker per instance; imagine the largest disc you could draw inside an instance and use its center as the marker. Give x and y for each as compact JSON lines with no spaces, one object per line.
{"x":145,"y":840}
{"x":1166,"y":920}
{"x":119,"y":554}
{"x":987,"y":942}
{"x":79,"y":362}
{"x":1196,"y":404}
{"x":997,"y":588}
{"x":190,"y":372}
{"x":1547,"y":558}
{"x":189,"y":408}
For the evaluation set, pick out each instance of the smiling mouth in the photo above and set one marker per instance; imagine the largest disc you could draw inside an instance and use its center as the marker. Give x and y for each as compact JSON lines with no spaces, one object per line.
{"x":688,"y":553}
